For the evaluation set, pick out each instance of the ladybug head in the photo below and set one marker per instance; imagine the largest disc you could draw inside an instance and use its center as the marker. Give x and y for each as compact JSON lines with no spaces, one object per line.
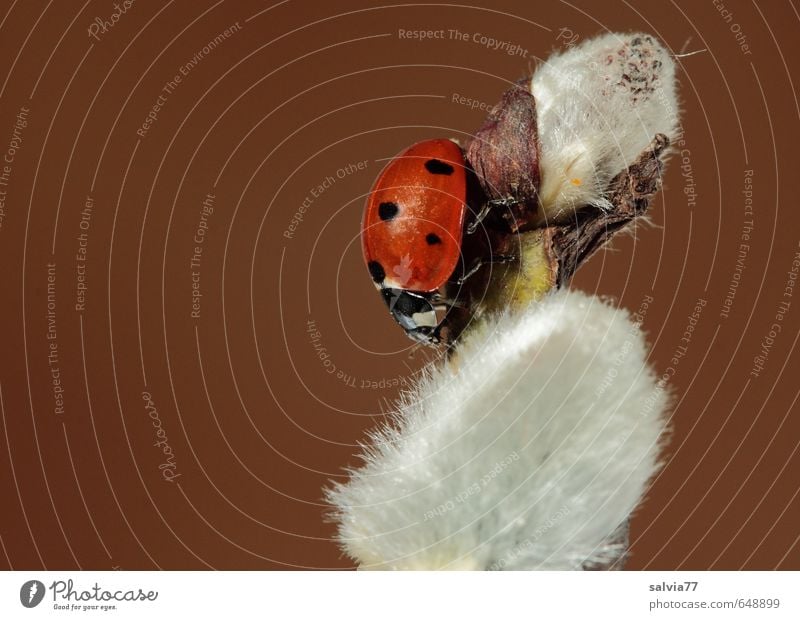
{"x":415,"y":314}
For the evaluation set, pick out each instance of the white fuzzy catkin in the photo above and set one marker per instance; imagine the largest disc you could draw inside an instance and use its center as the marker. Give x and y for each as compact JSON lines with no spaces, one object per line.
{"x":527,"y":450}
{"x":599,"y":104}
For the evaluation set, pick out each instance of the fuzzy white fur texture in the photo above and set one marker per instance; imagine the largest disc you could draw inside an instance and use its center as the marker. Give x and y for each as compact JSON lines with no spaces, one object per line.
{"x":527,"y":450}
{"x":599,"y":104}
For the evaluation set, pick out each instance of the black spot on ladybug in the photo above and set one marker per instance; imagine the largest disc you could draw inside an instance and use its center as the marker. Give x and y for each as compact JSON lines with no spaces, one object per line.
{"x":432,"y":239}
{"x":376,"y":271}
{"x":436,"y":166}
{"x":387,"y":210}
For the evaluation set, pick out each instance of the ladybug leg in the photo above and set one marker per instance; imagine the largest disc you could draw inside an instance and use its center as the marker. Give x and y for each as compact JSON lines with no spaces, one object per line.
{"x":472,"y":271}
{"x":447,"y":304}
{"x":496,"y":258}
{"x":479,"y":217}
{"x":440,"y":302}
{"x":486,"y":209}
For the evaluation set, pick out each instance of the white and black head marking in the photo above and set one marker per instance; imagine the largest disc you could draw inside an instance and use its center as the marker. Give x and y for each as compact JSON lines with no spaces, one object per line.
{"x":415,"y":314}
{"x":413,"y":311}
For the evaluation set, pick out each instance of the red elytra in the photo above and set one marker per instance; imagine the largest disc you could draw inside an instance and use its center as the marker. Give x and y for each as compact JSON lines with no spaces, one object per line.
{"x":414,"y":218}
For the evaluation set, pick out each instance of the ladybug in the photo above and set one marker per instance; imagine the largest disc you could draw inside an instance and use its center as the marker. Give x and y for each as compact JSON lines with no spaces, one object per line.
{"x":412,"y":232}
{"x":418,"y":221}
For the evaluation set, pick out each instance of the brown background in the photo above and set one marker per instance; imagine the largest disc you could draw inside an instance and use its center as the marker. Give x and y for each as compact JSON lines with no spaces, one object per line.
{"x":257,"y":423}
